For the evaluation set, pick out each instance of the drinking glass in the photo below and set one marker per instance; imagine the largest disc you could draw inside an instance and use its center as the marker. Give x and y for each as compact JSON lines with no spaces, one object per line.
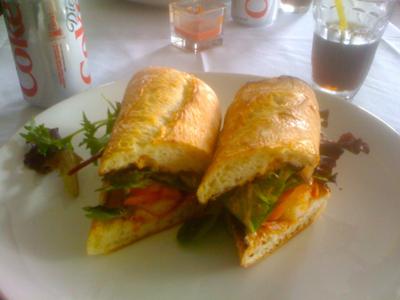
{"x":346,"y":36}
{"x":196,"y":24}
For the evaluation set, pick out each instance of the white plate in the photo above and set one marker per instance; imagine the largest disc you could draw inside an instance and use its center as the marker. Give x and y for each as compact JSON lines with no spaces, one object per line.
{"x":352,"y":252}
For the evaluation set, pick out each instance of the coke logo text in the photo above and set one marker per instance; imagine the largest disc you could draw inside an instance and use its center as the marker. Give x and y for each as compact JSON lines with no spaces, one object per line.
{"x":16,"y":30}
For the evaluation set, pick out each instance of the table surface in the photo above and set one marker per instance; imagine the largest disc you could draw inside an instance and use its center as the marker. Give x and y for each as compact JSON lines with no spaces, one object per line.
{"x":124,"y":37}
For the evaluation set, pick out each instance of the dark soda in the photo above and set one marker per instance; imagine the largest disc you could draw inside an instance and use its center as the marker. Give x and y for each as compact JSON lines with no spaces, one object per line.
{"x":341,"y":67}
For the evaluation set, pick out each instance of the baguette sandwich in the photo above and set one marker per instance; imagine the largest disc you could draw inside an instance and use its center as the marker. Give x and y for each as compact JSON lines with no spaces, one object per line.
{"x":264,"y":166}
{"x":160,"y":146}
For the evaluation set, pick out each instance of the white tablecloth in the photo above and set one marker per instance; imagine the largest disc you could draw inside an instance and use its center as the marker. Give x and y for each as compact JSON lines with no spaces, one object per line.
{"x":124,"y":37}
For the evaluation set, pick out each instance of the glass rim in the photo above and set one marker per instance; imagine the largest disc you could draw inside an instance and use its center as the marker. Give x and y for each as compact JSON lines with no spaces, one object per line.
{"x":183,"y":4}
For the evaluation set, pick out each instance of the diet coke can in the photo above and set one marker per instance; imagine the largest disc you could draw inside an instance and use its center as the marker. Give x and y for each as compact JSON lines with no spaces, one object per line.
{"x":255,"y":12}
{"x":49,"y":47}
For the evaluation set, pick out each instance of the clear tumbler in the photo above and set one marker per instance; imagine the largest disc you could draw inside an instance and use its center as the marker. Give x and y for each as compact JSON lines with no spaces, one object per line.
{"x":346,"y":36}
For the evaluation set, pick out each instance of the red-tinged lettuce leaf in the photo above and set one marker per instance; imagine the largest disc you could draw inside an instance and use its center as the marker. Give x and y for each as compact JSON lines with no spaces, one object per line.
{"x":43,"y":143}
{"x":331,"y":151}
{"x":36,"y":161}
{"x":354,"y":145}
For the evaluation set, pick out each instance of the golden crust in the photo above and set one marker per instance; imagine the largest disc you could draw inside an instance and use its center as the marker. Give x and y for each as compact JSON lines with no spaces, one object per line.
{"x":169,"y":121}
{"x":108,"y":236}
{"x":269,"y":123}
{"x":272,"y":235}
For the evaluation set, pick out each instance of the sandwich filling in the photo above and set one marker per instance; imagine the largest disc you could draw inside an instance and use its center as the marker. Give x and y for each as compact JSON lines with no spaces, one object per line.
{"x":279,"y":195}
{"x":284,"y":195}
{"x":133,"y":192}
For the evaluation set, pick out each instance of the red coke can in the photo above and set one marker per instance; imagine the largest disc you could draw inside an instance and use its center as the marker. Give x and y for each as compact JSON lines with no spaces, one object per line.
{"x":49,"y":47}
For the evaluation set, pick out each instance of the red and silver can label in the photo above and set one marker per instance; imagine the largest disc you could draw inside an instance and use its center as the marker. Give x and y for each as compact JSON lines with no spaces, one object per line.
{"x":49,"y":47}
{"x":255,"y":12}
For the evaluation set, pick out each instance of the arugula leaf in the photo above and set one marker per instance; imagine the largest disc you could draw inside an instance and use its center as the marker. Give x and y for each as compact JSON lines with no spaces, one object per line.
{"x":46,"y":140}
{"x":252,"y":202}
{"x":103,"y":213}
{"x":49,"y":151}
{"x":112,"y":115}
{"x":92,"y":141}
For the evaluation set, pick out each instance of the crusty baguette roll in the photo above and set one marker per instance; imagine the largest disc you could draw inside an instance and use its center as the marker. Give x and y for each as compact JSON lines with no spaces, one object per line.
{"x":169,"y":121}
{"x":270,"y":123}
{"x":272,"y":235}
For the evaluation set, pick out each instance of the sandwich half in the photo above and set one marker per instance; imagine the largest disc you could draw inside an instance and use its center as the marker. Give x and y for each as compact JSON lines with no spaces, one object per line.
{"x":160,"y":146}
{"x":264,"y":166}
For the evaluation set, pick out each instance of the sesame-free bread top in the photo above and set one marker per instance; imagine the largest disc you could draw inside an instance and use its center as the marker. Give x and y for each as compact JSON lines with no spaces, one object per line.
{"x":269,"y":123}
{"x":169,"y":121}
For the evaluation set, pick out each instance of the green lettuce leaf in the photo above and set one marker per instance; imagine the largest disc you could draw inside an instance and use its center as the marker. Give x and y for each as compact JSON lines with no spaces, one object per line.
{"x":127,"y":180}
{"x":103,"y":213}
{"x":252,"y":203}
{"x":184,"y":182}
{"x":130,"y":179}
